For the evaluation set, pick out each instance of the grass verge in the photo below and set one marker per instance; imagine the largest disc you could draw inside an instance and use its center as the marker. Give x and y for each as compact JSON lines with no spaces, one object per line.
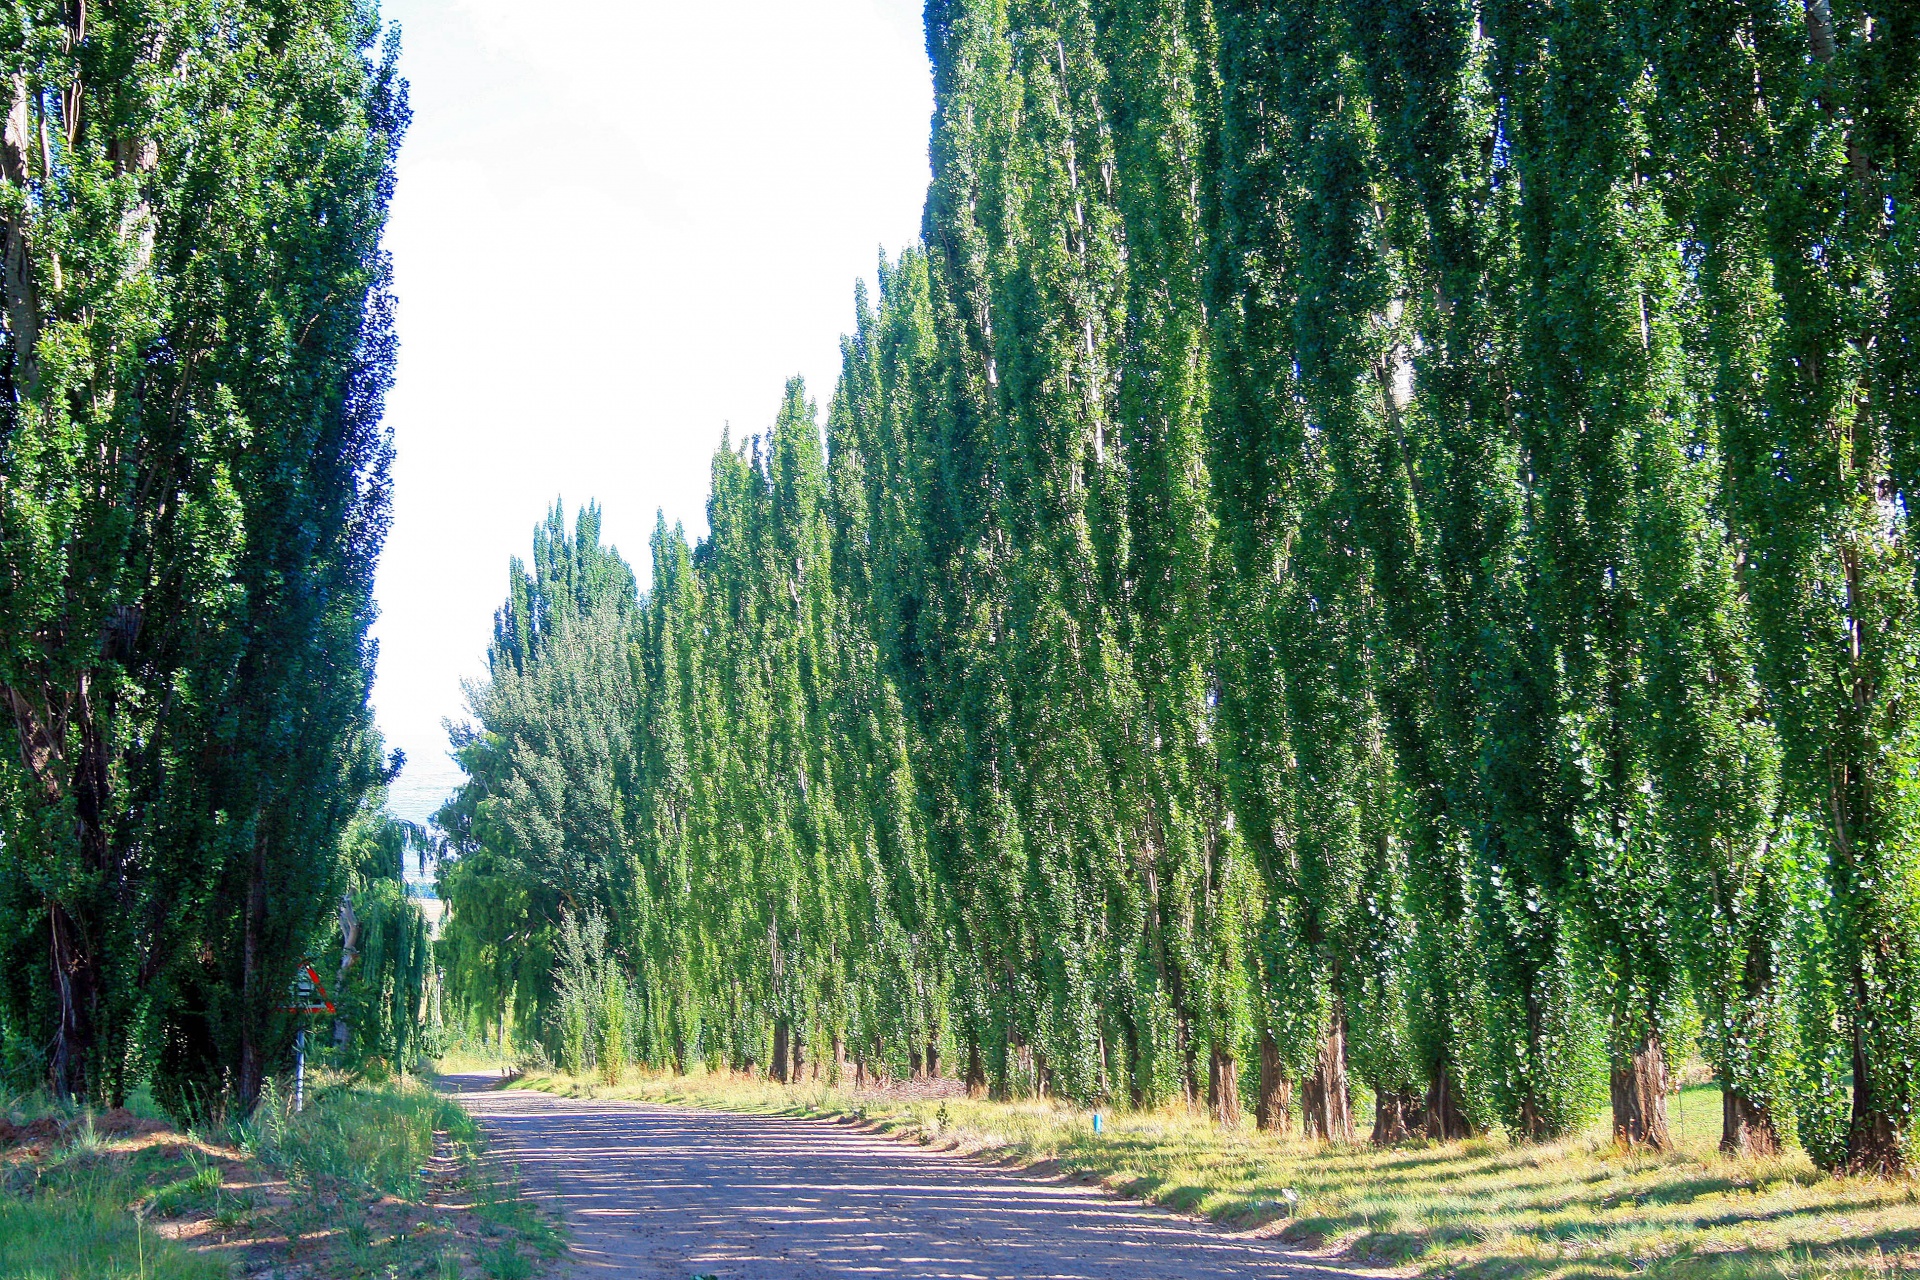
{"x":94,"y":1236}
{"x":371,"y":1179}
{"x":1483,"y":1209}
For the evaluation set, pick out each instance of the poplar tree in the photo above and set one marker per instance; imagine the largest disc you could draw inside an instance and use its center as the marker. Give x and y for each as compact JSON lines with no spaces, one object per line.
{"x":1367,"y":542}
{"x":193,"y":491}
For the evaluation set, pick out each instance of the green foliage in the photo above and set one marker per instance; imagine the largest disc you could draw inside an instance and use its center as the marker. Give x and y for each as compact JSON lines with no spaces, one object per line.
{"x":1369,"y":534}
{"x":591,"y":992}
{"x":198,"y":339}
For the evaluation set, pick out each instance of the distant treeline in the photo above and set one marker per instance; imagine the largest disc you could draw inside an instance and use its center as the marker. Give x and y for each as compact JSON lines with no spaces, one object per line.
{"x":198,"y":340}
{"x":1368,"y":541}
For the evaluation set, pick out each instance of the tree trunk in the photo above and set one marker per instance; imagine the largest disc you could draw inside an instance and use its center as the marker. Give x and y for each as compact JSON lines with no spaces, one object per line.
{"x":933,"y":1061}
{"x":839,"y":1058}
{"x":796,"y":1046}
{"x":349,"y":952}
{"x":1746,"y":1127}
{"x":1130,"y":1038}
{"x":916,"y":1066}
{"x":1326,"y":1103}
{"x":976,"y":1071}
{"x":75,"y":928}
{"x":1396,"y":1117}
{"x":1223,"y":1088}
{"x":20,"y":284}
{"x":781,"y":1038}
{"x":253,"y":999}
{"x":1639,"y":1087}
{"x":1273,"y":1109}
{"x":1189,"y":1065}
{"x":1872,"y":1146}
{"x":76,"y":987}
{"x":1445,"y":1122}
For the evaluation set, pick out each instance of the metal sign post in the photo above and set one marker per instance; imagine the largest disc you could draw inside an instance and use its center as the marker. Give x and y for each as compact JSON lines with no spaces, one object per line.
{"x":308,"y":996}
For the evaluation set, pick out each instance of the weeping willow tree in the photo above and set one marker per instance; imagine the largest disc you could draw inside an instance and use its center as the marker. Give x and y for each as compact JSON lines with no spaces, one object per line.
{"x":385,"y":985}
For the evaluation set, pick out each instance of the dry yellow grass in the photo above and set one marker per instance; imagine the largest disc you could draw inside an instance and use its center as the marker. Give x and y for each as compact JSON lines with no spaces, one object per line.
{"x":1482,"y":1209}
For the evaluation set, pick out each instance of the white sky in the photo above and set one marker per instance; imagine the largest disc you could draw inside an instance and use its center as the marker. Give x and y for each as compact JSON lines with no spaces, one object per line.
{"x":620,"y":225}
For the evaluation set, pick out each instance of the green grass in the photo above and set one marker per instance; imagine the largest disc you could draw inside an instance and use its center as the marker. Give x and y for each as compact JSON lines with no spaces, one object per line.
{"x":1483,"y":1209}
{"x":505,"y":1263}
{"x":91,"y":1236}
{"x":197,"y":1191}
{"x":378,"y":1177}
{"x":458,"y":1060}
{"x":370,"y":1137}
{"x":76,"y":1211}
{"x":358,"y":1141}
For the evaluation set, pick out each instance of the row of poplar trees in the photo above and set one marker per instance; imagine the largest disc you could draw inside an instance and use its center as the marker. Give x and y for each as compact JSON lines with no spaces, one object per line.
{"x":198,"y":338}
{"x":1367,"y":545}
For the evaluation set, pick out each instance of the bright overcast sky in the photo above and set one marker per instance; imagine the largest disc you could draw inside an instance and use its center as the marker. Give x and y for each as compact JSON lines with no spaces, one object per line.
{"x":620,"y":226}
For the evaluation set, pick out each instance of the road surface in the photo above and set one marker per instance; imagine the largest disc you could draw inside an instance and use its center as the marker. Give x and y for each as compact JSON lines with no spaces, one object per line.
{"x":673,"y":1192}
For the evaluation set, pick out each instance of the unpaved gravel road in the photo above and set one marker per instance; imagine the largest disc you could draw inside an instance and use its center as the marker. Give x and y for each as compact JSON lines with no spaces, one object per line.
{"x":671,"y":1192}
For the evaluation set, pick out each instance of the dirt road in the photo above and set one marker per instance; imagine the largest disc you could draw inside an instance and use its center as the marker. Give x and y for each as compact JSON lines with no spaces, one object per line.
{"x":671,"y":1192}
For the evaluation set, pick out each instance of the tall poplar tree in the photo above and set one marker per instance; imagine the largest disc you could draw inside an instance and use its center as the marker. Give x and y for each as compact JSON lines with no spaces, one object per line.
{"x":193,"y":491}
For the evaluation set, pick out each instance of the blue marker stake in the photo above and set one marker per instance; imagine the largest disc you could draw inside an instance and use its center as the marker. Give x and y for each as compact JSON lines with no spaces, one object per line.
{"x":1096,"y":1122}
